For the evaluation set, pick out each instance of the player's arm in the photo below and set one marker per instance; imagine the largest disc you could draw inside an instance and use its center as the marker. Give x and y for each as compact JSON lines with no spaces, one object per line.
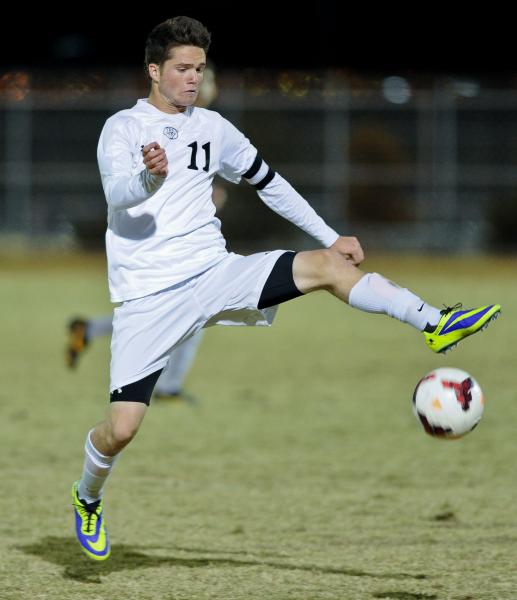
{"x":281,"y":197}
{"x":117,"y":156}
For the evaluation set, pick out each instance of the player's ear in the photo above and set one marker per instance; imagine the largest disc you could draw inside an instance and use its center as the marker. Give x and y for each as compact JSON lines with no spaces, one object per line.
{"x":154,"y":72}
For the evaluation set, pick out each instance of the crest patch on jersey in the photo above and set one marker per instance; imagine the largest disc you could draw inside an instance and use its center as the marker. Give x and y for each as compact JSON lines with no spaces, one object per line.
{"x":170,"y":132}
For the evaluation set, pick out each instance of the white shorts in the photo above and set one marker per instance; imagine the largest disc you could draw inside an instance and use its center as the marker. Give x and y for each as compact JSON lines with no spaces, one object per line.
{"x":145,"y":330}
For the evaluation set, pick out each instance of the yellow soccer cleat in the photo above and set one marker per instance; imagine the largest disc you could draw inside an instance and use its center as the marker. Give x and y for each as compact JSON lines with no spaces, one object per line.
{"x":90,"y":527}
{"x":456,"y":324}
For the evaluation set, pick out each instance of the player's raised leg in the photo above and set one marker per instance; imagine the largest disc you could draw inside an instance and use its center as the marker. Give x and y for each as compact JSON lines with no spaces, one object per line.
{"x":371,"y":292}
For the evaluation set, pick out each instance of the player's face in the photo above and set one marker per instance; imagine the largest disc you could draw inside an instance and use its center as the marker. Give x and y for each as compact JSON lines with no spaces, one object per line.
{"x":179,"y":78}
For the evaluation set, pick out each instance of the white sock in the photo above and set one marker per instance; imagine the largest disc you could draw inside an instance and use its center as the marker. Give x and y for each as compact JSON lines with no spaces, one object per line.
{"x":376,"y":294}
{"x":96,"y":469}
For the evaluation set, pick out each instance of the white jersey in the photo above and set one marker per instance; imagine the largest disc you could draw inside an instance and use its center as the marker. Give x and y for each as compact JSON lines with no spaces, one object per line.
{"x":163,"y":230}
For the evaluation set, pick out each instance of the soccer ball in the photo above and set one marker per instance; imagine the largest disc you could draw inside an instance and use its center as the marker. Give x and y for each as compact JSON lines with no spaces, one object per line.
{"x":448,"y":403}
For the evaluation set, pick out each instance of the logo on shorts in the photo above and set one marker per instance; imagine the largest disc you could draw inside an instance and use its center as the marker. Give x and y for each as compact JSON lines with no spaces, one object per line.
{"x":170,"y":132}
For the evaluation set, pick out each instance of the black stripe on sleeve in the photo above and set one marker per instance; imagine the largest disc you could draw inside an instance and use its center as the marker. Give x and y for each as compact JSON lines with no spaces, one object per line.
{"x":254,"y":169}
{"x":263,"y":182}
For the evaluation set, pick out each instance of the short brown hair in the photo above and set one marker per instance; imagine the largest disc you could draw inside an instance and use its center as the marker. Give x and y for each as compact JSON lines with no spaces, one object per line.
{"x":179,"y":31}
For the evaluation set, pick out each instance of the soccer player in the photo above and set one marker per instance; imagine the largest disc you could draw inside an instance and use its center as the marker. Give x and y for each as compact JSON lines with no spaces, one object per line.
{"x":169,"y":386}
{"x":167,"y":260}
{"x":82,"y":331}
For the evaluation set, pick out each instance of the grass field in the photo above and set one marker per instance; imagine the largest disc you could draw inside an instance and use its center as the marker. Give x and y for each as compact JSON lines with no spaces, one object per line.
{"x":301,"y":475}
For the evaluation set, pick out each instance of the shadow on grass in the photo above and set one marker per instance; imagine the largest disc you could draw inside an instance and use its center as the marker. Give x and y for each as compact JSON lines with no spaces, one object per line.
{"x":64,"y":551}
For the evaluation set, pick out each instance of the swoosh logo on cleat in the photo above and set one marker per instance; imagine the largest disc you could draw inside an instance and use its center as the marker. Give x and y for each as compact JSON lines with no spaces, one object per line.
{"x":97,"y":542}
{"x":99,"y":546}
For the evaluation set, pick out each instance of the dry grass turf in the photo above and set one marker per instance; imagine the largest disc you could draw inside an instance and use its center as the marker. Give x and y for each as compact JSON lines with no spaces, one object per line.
{"x":302,"y":474}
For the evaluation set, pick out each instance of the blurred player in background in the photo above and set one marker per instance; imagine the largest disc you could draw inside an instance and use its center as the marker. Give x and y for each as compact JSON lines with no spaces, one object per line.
{"x":170,"y":384}
{"x":82,"y":330}
{"x":167,"y":259}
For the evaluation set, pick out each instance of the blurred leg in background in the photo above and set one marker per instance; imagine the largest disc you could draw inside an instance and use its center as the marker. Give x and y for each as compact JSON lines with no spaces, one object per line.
{"x":82,"y":331}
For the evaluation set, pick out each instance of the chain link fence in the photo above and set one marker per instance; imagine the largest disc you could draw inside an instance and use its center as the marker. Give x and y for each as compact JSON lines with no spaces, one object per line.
{"x":403,"y":165}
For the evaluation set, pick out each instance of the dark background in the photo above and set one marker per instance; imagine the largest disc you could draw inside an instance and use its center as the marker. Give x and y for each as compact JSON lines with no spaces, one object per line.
{"x":323,"y":34}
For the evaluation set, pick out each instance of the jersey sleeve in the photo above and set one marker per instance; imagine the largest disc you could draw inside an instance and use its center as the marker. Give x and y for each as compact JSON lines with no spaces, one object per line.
{"x":237,"y":153}
{"x":281,"y":197}
{"x":117,"y":157}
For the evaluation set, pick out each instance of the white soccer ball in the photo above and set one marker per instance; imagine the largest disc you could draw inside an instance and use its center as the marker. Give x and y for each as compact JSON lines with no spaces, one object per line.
{"x":448,"y":403}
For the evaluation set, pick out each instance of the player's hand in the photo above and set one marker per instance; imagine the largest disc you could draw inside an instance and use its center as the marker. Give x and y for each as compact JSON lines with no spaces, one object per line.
{"x":350,"y":248}
{"x":155,"y":159}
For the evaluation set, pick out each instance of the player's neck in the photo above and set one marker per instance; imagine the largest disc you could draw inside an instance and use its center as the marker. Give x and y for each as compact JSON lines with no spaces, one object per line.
{"x":164,"y":105}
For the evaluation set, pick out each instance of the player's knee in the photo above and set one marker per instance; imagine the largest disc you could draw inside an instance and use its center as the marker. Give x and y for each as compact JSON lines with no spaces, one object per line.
{"x":323,"y":266}
{"x":332,"y":267}
{"x":122,"y":432}
{"x":315,"y":270}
